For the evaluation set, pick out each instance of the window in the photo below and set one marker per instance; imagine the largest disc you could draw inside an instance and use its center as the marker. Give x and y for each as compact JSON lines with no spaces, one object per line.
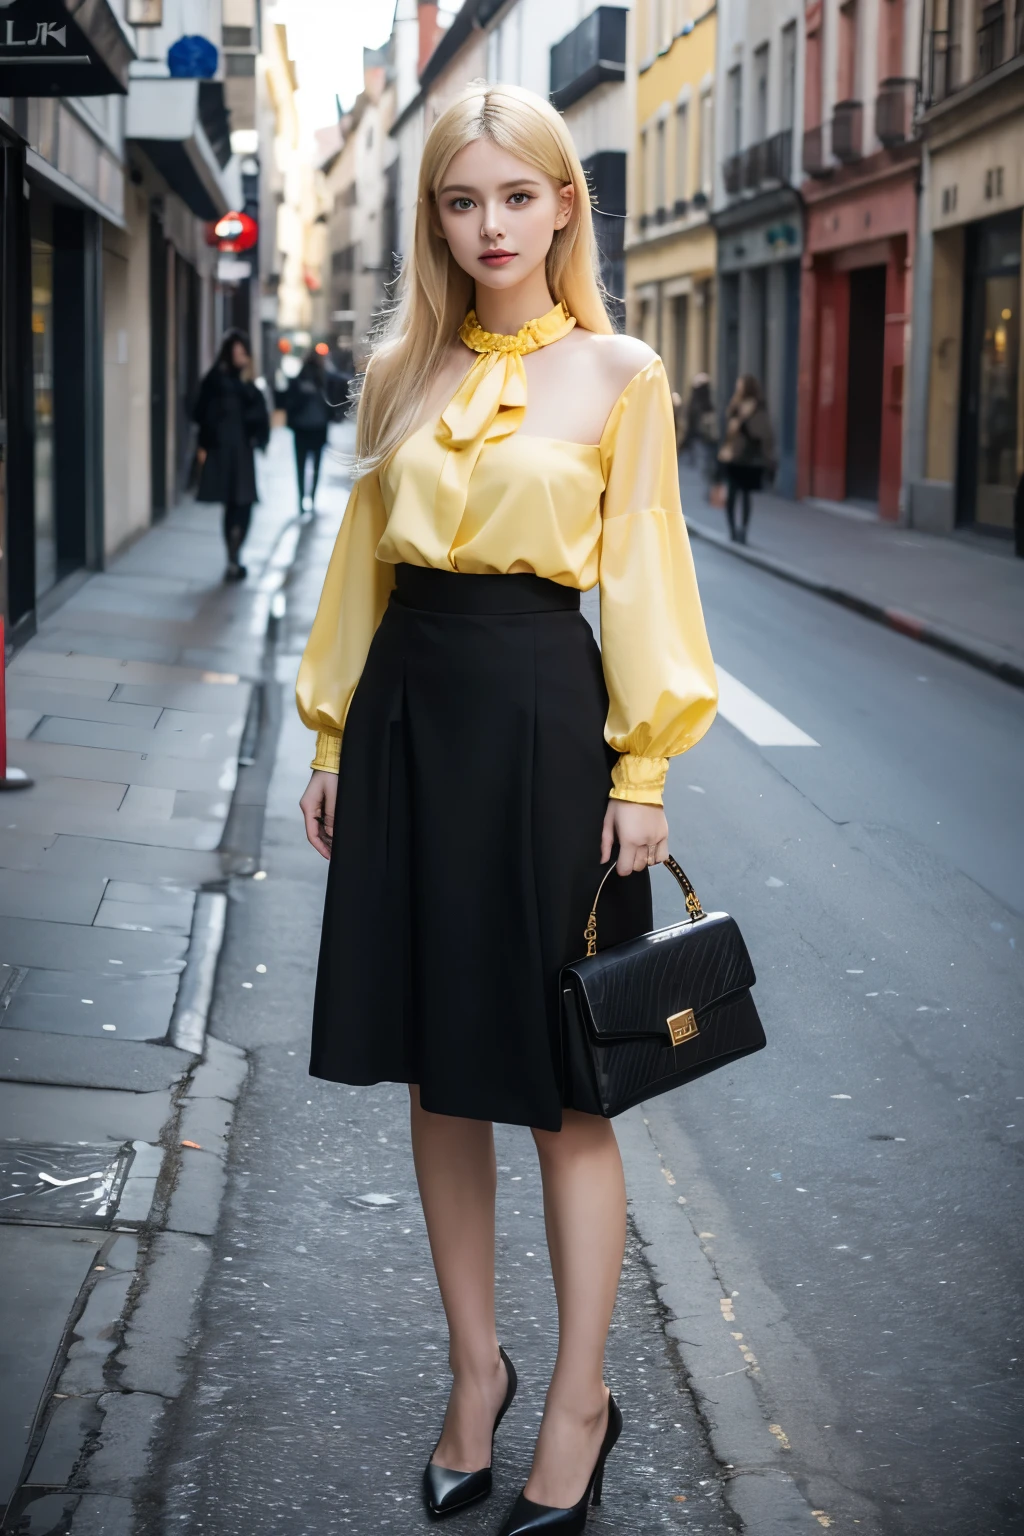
{"x":643,"y":177}
{"x":239,"y":64}
{"x":707,"y":141}
{"x":787,"y":99}
{"x":846,"y":76}
{"x":734,"y":110}
{"x":682,"y":150}
{"x":760,"y":94}
{"x":660,"y":172}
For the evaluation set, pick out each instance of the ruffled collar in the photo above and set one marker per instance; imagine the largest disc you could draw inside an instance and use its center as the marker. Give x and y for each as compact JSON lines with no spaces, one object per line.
{"x":530,"y":338}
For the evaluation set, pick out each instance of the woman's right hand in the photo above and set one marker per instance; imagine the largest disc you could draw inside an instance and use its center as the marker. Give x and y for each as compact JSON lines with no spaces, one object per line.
{"x":317,"y":806}
{"x":200,"y":455}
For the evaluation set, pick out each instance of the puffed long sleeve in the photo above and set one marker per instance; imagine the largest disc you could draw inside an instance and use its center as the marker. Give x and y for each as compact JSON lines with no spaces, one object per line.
{"x":355,"y":594}
{"x":661,"y":680}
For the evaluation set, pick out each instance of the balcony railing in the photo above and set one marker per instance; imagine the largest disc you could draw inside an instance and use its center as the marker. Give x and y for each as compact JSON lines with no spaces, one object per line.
{"x":592,"y":52}
{"x":815,"y":153}
{"x":894,"y":110}
{"x":752,"y":166}
{"x":769,"y":160}
{"x":732,"y":174}
{"x":848,"y":131}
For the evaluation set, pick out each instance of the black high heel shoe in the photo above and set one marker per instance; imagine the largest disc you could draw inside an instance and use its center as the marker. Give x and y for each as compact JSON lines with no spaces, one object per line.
{"x":526,"y":1516}
{"x":444,"y":1490}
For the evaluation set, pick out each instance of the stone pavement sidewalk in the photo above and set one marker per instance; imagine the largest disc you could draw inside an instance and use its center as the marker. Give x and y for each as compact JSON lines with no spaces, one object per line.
{"x":953,"y":593}
{"x":140,"y":710}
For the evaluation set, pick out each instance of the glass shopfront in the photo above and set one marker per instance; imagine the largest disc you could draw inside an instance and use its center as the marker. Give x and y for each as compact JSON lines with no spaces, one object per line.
{"x":990,"y":424}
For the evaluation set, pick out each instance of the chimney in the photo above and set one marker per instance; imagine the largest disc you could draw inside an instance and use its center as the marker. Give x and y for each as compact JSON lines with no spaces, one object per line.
{"x":428,"y":34}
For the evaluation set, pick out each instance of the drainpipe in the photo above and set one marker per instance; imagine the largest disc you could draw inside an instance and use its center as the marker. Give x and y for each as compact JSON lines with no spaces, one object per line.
{"x":915,"y":429}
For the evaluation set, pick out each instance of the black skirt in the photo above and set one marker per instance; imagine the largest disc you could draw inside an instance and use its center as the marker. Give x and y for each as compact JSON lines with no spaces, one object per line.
{"x":467,"y":840}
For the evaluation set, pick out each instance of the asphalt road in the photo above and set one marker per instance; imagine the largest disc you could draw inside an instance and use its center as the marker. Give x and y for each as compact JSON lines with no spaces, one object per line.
{"x":857,"y":1185}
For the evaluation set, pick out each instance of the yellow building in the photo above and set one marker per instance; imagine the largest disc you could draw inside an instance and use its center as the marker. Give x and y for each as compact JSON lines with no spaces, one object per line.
{"x":670,"y":243}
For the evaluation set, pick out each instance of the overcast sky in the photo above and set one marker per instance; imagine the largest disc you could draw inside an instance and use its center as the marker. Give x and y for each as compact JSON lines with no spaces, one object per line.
{"x":327,"y":38}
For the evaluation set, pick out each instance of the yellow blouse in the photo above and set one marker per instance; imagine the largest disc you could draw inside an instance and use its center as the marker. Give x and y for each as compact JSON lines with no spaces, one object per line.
{"x":468,"y":494}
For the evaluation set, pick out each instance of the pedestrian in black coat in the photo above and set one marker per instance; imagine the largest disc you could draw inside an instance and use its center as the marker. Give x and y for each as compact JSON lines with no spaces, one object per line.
{"x":232,"y":418}
{"x":747,"y":454}
{"x":309,"y":412}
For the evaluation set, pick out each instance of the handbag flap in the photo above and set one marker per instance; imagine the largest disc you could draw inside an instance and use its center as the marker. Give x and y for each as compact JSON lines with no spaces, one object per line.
{"x":631,"y":991}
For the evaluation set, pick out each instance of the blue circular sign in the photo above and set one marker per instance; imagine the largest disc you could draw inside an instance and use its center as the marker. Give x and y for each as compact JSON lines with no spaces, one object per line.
{"x":192,"y":58}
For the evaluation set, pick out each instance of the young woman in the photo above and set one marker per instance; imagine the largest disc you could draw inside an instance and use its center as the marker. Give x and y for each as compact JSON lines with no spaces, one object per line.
{"x":747,"y":453}
{"x":478,"y":759}
{"x":309,"y":414}
{"x":232,"y":418}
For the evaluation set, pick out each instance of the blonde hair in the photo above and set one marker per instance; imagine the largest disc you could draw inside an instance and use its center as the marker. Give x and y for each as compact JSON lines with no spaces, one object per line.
{"x":435,"y":294}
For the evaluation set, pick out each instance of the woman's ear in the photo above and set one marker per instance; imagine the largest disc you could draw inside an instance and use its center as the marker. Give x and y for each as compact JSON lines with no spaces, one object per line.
{"x":566,"y":202}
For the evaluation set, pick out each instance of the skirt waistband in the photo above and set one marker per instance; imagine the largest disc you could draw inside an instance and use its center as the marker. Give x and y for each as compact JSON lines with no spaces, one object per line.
{"x":418,"y":586}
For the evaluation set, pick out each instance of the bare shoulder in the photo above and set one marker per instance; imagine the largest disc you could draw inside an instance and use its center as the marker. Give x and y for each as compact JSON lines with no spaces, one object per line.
{"x":617,"y":359}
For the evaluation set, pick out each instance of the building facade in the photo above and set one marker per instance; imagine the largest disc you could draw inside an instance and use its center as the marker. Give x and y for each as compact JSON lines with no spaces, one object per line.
{"x":758,"y":215}
{"x":967,"y":439}
{"x":861,"y":162}
{"x":670,"y":240}
{"x":109,"y":297}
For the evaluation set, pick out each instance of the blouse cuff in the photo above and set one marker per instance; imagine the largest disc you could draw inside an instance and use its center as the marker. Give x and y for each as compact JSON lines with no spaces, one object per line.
{"x":328,"y":752}
{"x":640,"y":779}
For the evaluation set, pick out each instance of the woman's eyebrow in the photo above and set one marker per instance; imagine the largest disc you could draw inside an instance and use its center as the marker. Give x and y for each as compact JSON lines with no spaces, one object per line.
{"x":504,"y":186}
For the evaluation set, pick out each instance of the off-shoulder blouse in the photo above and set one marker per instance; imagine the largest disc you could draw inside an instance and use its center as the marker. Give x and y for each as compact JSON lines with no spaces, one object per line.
{"x":470,"y":493}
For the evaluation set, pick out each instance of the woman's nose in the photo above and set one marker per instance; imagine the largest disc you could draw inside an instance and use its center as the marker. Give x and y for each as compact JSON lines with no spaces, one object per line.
{"x":493,"y":227}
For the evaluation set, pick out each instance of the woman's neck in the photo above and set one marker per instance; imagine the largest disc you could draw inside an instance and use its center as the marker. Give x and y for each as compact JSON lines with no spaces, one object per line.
{"x":505,"y":311}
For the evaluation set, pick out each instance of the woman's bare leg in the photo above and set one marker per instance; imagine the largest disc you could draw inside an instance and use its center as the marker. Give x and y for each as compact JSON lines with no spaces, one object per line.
{"x":456,"y":1174}
{"x":585,"y":1217}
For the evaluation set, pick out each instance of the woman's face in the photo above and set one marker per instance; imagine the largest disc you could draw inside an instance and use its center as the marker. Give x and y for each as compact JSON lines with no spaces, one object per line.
{"x":499,"y":215}
{"x":240,"y":358}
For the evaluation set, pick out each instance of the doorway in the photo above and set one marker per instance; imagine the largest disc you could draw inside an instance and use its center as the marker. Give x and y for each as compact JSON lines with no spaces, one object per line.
{"x":680,"y":339}
{"x":864,"y":383}
{"x":987,"y":461}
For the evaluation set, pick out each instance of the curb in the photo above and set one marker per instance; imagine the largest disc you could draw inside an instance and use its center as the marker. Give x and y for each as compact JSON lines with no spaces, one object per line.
{"x":974,"y":652}
{"x":195,"y":991}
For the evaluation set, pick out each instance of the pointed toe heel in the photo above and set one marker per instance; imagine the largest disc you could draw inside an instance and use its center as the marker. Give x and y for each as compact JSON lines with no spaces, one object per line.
{"x":445,"y":1491}
{"x":525,"y":1517}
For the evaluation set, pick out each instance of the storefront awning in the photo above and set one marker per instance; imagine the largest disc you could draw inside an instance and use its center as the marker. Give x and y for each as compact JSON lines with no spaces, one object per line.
{"x":168,"y":120}
{"x":63,"y":48}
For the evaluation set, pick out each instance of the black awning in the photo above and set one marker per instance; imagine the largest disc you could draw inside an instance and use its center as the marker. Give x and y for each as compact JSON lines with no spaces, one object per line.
{"x":62,"y":48}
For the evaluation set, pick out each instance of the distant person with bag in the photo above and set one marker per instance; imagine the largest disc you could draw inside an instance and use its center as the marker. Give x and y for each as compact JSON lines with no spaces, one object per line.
{"x":309,"y":412}
{"x":231,"y":414}
{"x":700,"y":433}
{"x":747,"y":453}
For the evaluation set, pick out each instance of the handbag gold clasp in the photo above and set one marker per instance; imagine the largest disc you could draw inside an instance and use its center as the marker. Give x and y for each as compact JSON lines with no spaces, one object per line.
{"x":682,"y":1026}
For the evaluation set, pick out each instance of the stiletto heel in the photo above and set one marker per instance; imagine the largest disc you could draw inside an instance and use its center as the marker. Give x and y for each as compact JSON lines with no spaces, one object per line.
{"x":526,"y":1517}
{"x":445,"y":1490}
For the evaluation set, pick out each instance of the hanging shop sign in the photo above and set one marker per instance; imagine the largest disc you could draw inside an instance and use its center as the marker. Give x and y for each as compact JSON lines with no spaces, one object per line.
{"x":62,"y":48}
{"x":236,"y":232}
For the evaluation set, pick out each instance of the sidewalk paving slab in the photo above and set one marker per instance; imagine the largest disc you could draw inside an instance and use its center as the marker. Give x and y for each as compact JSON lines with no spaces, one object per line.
{"x":128,"y":707}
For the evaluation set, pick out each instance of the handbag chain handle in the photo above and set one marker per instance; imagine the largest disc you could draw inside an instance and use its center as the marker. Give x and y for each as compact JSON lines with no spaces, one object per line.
{"x":693,"y":905}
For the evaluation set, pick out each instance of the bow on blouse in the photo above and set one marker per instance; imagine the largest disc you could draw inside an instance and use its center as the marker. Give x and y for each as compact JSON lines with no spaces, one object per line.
{"x":490,"y":403}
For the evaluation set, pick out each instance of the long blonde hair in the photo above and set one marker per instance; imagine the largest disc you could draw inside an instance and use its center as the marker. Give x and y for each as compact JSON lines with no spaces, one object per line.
{"x":435,"y":294}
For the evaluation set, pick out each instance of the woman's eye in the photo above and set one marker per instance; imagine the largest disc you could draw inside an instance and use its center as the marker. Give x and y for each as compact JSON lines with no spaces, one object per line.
{"x":518,"y":199}
{"x":462,"y":204}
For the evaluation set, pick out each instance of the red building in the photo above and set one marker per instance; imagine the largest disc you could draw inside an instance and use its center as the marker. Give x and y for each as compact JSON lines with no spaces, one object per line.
{"x":861,"y":166}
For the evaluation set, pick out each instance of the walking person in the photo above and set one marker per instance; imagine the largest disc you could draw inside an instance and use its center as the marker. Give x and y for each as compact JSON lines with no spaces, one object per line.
{"x":232,"y":417}
{"x":309,"y":415}
{"x":478,"y":760}
{"x":747,"y":453}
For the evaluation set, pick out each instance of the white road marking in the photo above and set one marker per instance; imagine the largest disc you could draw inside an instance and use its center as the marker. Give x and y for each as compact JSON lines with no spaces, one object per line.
{"x":759,"y":721}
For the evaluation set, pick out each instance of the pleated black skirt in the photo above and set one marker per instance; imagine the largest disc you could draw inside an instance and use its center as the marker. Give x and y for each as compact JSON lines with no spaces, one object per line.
{"x":473,"y":786}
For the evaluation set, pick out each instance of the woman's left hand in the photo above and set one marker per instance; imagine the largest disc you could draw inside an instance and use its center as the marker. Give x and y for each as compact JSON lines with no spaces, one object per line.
{"x":641,"y":832}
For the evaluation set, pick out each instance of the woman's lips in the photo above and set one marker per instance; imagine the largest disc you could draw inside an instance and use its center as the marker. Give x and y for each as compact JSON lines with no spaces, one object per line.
{"x":497,"y":258}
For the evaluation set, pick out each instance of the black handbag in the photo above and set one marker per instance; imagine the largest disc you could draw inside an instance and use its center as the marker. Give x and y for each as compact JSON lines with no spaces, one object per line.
{"x":645,"y":1016}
